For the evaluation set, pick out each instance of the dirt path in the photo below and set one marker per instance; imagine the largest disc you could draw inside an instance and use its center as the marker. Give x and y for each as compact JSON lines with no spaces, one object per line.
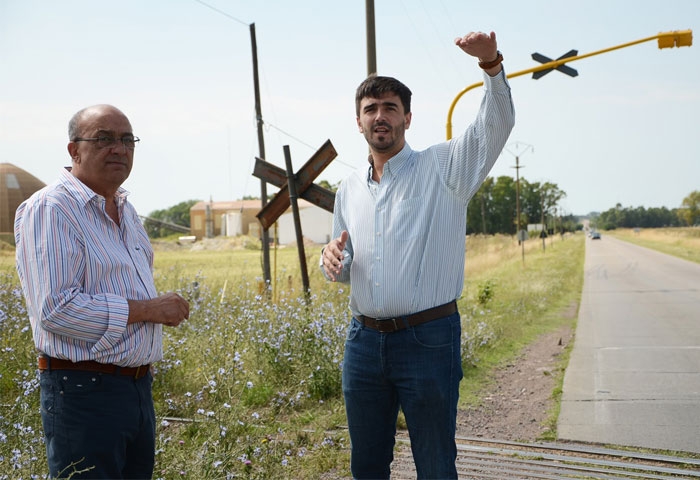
{"x":519,"y":401}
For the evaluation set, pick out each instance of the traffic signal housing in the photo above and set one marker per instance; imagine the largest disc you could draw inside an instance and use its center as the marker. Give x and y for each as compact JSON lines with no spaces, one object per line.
{"x":677,"y":38}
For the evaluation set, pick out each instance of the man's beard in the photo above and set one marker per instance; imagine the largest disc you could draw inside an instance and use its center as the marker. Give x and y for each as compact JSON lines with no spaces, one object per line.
{"x":390,"y":138}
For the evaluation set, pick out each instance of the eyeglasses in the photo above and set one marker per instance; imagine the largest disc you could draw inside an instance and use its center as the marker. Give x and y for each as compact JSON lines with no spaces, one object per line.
{"x":105,"y":141}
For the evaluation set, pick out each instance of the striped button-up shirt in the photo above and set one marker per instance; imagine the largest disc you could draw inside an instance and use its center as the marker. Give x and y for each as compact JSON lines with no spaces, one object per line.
{"x":78,"y":268}
{"x":406,"y":248}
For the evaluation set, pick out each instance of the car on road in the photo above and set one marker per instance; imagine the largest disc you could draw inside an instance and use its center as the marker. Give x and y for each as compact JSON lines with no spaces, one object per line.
{"x":595,"y":236}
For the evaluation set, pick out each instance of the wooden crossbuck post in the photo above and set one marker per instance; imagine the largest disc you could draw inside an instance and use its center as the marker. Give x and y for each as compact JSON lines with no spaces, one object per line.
{"x":306,"y":189}
{"x":293,"y":186}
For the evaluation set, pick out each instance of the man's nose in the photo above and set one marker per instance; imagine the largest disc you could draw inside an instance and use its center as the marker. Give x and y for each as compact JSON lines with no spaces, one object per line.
{"x":381,"y":114}
{"x":119,"y":146}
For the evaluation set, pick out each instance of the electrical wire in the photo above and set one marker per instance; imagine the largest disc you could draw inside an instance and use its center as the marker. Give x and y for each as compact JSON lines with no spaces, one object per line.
{"x":267,"y":124}
{"x":223,"y":13}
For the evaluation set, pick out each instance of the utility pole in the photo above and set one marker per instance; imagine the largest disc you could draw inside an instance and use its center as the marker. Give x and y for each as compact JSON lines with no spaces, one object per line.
{"x":543,"y":233}
{"x":261,"y":148}
{"x":519,"y":150}
{"x":371,"y":38}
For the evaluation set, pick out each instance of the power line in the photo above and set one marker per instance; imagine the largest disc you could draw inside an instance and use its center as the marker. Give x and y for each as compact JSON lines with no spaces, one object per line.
{"x":163,"y":223}
{"x":223,"y":13}
{"x":269,"y":125}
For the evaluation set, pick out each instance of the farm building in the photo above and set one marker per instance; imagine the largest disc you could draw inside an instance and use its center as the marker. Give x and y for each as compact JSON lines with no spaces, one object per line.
{"x":316,"y":224}
{"x":231,"y":218}
{"x":209,"y":219}
{"x":16,"y":185}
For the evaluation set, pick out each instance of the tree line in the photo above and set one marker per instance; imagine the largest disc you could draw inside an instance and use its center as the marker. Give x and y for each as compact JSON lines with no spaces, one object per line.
{"x":156,"y":223}
{"x":494,"y":207}
{"x":687,"y":215}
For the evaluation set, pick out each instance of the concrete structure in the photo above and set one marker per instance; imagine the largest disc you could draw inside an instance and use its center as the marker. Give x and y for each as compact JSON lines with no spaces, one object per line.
{"x":316,"y":224}
{"x":231,"y":218}
{"x":16,"y":185}
{"x":212,"y":219}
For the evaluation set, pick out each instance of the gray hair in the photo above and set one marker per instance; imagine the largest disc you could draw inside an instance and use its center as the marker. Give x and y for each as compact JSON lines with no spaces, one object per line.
{"x":74,"y":124}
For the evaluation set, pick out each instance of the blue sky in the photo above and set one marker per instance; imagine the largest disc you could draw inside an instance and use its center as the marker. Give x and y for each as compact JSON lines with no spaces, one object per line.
{"x":624,"y":131}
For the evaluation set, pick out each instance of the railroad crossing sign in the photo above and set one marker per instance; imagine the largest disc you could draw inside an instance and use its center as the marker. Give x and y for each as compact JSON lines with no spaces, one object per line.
{"x":538,"y":57}
{"x":305,"y":187}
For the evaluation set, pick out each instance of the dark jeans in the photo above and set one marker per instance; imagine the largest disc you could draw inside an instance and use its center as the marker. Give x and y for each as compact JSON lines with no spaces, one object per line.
{"x":418,"y":369}
{"x":101,"y":423}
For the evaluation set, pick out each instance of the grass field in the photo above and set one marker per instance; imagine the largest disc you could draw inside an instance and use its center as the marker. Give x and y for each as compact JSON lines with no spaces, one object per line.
{"x":679,"y":242}
{"x":249,"y":387}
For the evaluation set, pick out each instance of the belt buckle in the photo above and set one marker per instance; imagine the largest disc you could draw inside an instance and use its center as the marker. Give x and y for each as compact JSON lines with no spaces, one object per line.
{"x":387,"y":321}
{"x":396,"y":327}
{"x":138,"y":371}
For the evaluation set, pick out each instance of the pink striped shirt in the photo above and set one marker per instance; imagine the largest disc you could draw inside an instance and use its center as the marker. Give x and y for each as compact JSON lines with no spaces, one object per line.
{"x":78,"y":268}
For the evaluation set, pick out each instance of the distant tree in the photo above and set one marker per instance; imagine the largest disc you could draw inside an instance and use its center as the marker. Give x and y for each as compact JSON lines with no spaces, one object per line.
{"x":570,"y":223}
{"x":177,"y":214}
{"x":493,"y":208}
{"x":538,"y":201}
{"x":690,"y":211}
{"x":479,"y":214}
{"x":530,"y":201}
{"x":550,"y":196}
{"x":328,"y":185}
{"x":639,"y":217}
{"x":504,"y":210}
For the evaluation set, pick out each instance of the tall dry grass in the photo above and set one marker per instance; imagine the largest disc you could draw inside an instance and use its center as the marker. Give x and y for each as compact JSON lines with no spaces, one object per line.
{"x":680,"y":242}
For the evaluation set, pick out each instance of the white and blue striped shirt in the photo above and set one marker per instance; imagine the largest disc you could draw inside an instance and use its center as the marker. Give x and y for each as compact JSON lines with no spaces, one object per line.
{"x":407,"y":233}
{"x":78,"y":268}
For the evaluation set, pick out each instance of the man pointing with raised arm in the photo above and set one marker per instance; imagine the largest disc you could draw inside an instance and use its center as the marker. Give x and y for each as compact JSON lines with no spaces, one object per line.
{"x":399,"y":226}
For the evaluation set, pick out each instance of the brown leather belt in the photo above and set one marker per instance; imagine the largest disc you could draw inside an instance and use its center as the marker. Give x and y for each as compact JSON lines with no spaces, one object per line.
{"x":50,"y":363}
{"x":394,"y":324}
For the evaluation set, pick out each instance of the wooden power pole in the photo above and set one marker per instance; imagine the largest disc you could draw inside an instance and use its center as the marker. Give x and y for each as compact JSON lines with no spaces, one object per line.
{"x":261,"y":149}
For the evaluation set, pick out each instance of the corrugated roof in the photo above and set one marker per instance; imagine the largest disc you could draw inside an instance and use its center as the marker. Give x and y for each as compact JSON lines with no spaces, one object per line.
{"x":16,"y":185}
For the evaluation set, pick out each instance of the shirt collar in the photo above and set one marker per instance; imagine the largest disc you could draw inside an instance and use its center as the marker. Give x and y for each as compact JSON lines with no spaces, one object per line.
{"x":396,"y":163}
{"x":81,"y":192}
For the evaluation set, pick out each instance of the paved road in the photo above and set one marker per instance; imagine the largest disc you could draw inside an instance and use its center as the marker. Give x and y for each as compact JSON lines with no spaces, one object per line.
{"x":634,"y":373}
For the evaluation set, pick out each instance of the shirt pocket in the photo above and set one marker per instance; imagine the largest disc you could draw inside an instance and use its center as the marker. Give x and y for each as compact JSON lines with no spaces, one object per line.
{"x":408,"y":218}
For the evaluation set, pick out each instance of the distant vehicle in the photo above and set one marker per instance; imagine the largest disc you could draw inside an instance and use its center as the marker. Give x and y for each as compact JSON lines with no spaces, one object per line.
{"x":595,"y":236}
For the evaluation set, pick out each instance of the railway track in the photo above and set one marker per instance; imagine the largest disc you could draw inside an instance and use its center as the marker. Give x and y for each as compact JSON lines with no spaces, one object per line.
{"x":502,"y":460}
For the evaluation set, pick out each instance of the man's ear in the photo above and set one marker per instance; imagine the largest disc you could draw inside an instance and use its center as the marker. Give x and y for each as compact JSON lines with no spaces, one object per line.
{"x":407,"y":120}
{"x":359,"y":125}
{"x":73,"y":151}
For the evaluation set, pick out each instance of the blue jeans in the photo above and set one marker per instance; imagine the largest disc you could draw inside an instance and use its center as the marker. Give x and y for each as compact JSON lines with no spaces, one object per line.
{"x":104,"y":423}
{"x":418,"y":369}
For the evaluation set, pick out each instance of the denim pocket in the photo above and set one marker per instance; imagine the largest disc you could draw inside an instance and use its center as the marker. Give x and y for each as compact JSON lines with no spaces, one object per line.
{"x":436,"y":334}
{"x":353,"y":329}
{"x":49,"y":402}
{"x":80,"y":383}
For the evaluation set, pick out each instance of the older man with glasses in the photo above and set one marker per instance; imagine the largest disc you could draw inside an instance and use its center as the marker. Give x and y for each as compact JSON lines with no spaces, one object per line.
{"x":85,"y":264}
